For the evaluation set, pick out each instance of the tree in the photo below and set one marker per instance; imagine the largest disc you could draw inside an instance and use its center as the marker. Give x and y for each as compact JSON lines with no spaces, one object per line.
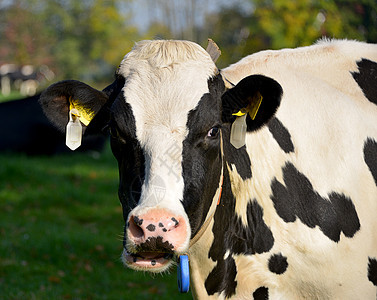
{"x":276,"y":24}
{"x":297,"y":23}
{"x":19,"y":42}
{"x":76,"y":38}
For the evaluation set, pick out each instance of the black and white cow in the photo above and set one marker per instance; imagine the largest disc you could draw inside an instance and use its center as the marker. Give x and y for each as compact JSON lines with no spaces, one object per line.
{"x":290,"y":215}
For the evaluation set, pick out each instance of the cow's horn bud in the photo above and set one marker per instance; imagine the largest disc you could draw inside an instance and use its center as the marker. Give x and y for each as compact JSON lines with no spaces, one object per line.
{"x":213,"y":50}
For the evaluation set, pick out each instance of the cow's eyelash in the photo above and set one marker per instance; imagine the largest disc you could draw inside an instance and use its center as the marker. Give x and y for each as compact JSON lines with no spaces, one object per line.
{"x":114,"y":132}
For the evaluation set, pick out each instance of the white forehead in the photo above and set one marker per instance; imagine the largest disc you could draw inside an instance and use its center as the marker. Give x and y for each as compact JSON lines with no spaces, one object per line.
{"x":164,"y":81}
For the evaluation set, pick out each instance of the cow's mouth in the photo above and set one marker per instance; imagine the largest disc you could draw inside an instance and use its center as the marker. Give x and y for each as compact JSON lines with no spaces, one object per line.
{"x":153,"y":255}
{"x":149,"y":261}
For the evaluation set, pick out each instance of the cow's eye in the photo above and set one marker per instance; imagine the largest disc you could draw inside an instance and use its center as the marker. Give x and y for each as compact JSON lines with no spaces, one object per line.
{"x":214,"y":131}
{"x":113,"y":132}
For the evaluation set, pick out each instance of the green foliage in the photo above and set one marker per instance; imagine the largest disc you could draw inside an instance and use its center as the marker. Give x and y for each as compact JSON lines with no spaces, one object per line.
{"x":19,"y":41}
{"x":87,"y":39}
{"x":61,"y":232}
{"x":70,"y":36}
{"x":297,"y":23}
{"x":276,"y":24}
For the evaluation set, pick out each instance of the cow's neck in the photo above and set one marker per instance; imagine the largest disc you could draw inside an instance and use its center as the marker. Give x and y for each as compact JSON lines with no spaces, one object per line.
{"x":209,"y":269}
{"x":237,"y":228}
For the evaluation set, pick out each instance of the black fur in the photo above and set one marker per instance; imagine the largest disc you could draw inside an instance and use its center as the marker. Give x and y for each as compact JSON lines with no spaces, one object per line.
{"x":237,"y":157}
{"x":222,"y":278}
{"x":261,"y":293}
{"x":128,"y":152}
{"x":296,"y":198}
{"x":370,"y":156}
{"x":201,"y":159}
{"x":366,"y":78}
{"x":277,"y":263}
{"x":103,"y":116}
{"x":155,"y":244}
{"x":372,"y":270}
{"x":281,"y":135}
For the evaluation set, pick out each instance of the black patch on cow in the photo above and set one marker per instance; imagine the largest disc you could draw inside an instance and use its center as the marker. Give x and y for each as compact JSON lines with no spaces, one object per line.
{"x":277,"y":264}
{"x":237,"y":157}
{"x":261,"y":293}
{"x":370,"y":156}
{"x":372,"y":270}
{"x":281,"y":135}
{"x":222,"y":278}
{"x":297,"y":199}
{"x":151,"y":227}
{"x":128,"y":152}
{"x":366,"y":78}
{"x":138,"y":221}
{"x":201,"y":158}
{"x":231,"y":235}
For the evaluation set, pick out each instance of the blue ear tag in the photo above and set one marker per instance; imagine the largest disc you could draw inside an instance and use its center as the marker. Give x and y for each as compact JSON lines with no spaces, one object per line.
{"x":183,"y":274}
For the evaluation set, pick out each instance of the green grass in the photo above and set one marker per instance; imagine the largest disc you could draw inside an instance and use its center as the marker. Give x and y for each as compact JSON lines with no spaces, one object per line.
{"x":14,"y":95}
{"x":61,"y":230}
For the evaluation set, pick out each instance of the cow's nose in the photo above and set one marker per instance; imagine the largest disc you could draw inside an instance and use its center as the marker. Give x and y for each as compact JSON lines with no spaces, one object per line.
{"x":157,"y":223}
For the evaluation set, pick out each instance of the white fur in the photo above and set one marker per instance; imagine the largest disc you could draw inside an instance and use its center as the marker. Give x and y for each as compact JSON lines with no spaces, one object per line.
{"x":164,"y":81}
{"x":329,"y":119}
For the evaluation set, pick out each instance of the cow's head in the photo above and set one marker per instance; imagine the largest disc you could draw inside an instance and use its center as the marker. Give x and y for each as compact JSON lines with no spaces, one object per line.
{"x":165,"y":111}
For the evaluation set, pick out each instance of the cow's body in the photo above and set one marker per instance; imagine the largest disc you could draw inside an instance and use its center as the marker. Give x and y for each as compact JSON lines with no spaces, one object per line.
{"x":323,"y":135}
{"x":296,"y":218}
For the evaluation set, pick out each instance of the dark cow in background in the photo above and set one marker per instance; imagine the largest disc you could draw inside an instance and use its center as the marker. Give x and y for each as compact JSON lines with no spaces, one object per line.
{"x":290,"y":215}
{"x":25,"y":128}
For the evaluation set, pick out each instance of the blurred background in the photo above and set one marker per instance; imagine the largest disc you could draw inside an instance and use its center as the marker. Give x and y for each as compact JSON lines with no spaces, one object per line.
{"x":87,"y":39}
{"x":60,"y":219}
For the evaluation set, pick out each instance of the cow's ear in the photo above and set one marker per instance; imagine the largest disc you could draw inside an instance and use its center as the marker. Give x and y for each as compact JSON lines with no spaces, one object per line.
{"x":58,"y":98}
{"x":259,"y":95}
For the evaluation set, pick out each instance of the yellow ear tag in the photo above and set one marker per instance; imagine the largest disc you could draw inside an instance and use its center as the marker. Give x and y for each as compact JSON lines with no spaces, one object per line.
{"x":85,"y":115}
{"x":238,"y":130}
{"x":240,"y":113}
{"x":254,"y":105}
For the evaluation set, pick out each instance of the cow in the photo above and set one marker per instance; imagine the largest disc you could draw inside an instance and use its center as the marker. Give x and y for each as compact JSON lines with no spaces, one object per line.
{"x":287,"y":213}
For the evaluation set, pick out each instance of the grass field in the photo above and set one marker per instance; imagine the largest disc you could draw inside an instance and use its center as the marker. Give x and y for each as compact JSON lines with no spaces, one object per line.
{"x":12,"y":96}
{"x":60,"y":232}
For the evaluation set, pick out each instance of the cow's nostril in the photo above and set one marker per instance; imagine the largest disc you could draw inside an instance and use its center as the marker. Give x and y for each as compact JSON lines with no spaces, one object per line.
{"x":134,"y":227}
{"x":176,"y":223}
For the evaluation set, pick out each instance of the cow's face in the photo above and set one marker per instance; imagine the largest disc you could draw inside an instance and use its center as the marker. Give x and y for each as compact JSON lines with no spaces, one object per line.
{"x":166,"y":111}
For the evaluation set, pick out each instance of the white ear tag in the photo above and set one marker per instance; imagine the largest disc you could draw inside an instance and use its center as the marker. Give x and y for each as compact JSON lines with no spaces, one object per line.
{"x":73,"y":130}
{"x":238,"y":132}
